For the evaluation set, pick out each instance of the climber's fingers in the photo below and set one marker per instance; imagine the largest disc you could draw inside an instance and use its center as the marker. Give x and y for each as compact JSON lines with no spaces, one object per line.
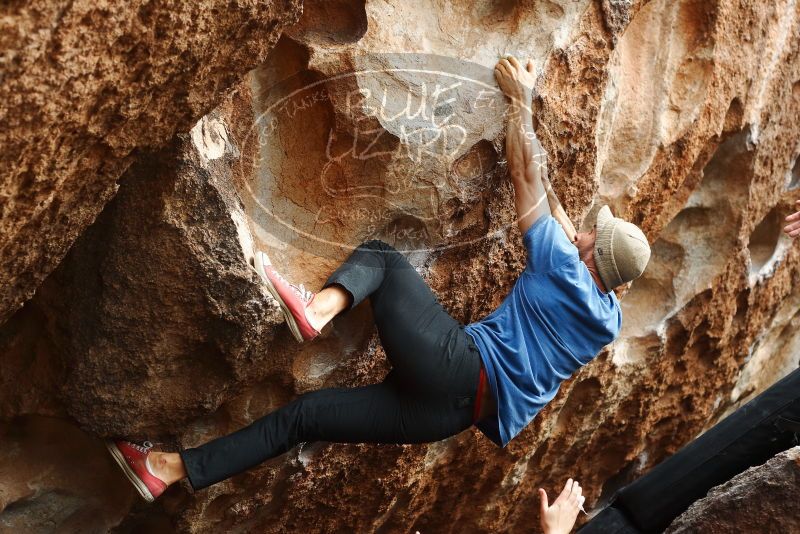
{"x":507,"y":67}
{"x":502,"y":78}
{"x":513,"y":61}
{"x":530,"y":66}
{"x":498,"y":74}
{"x":500,"y":69}
{"x":793,"y":229}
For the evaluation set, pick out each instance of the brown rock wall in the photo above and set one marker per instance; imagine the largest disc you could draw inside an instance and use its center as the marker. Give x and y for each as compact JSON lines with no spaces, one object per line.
{"x":84,"y":85}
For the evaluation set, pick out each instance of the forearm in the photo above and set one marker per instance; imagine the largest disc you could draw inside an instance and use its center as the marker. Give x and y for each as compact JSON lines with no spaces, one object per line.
{"x":525,"y":160}
{"x":519,"y":148}
{"x":557,"y":209}
{"x":540,"y":161}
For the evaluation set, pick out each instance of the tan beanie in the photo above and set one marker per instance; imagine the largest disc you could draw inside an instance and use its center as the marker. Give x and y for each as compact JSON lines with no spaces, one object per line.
{"x":621,"y":251}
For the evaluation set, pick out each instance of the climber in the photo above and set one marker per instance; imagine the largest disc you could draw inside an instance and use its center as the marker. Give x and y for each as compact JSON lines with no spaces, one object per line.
{"x":793,"y":228}
{"x":497,"y":373}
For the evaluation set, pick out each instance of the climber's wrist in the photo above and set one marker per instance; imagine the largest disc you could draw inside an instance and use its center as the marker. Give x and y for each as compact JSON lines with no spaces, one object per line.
{"x":521,"y":99}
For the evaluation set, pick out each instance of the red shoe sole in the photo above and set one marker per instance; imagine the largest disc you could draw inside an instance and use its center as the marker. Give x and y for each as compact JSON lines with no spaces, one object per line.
{"x":129,"y":473}
{"x":290,"y":320}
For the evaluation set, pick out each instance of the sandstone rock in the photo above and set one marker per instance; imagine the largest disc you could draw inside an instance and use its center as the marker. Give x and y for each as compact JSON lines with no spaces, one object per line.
{"x":681,"y":115}
{"x":84,"y":85}
{"x":763,"y":499}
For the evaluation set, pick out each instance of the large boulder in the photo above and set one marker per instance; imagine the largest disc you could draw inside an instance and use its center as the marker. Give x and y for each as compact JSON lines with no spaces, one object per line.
{"x":85,"y":85}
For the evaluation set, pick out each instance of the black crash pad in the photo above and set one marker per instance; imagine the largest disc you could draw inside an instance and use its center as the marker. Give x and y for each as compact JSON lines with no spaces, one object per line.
{"x":765,"y":426}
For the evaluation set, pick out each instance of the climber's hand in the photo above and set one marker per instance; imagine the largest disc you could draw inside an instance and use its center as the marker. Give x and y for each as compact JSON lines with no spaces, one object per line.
{"x":793,"y":229}
{"x":559,"y":518}
{"x":514,"y":80}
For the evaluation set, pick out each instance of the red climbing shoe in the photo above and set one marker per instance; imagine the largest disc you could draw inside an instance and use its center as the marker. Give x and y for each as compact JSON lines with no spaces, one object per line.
{"x":132,"y":459}
{"x":293,"y":299}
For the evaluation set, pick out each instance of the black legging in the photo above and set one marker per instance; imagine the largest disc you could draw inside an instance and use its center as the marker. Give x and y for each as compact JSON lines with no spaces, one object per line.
{"x":429,"y":395}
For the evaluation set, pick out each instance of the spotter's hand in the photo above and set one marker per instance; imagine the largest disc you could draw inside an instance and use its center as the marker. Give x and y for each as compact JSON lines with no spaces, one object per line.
{"x":559,"y":518}
{"x":514,"y":80}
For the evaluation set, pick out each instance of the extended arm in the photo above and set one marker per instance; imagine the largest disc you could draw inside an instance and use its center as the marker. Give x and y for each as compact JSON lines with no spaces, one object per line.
{"x":558,"y":211}
{"x":526,"y":159}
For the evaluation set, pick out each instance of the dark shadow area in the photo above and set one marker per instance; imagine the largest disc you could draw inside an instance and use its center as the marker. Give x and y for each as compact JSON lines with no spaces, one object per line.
{"x":750,"y":436}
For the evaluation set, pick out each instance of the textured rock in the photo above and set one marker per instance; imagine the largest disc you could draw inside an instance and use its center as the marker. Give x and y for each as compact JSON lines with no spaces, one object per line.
{"x":191,"y":303}
{"x":83,"y":86}
{"x":763,"y":499}
{"x":680,"y":114}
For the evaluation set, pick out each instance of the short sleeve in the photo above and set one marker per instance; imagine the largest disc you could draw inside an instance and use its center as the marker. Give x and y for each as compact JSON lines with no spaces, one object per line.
{"x":548,"y":246}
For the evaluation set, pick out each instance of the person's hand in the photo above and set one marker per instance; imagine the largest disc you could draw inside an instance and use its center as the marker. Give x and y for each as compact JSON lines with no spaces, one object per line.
{"x":559,"y":518}
{"x":793,"y":229}
{"x":514,"y":80}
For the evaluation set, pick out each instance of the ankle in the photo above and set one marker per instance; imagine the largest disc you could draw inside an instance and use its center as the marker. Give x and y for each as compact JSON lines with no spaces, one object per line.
{"x":326,"y":305}
{"x":168,"y":467}
{"x":315,"y":317}
{"x":157,"y":465}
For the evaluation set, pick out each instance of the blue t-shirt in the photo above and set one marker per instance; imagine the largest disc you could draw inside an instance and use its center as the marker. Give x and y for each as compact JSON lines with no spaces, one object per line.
{"x":554,"y":321}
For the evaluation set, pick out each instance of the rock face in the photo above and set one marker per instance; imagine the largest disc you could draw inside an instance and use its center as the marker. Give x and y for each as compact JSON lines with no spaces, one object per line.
{"x":760,"y":500}
{"x":84,"y":86}
{"x":382,"y":120}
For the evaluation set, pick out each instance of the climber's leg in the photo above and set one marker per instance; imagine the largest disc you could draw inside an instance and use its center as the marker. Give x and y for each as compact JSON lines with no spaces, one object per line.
{"x":357,"y":278}
{"x":429,"y":350}
{"x":380,"y":413}
{"x":307,"y":313}
{"x":367,"y":269}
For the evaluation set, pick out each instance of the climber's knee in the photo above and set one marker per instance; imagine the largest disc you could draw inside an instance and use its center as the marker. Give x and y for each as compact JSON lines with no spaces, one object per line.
{"x":377,"y":244}
{"x":302,"y":413}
